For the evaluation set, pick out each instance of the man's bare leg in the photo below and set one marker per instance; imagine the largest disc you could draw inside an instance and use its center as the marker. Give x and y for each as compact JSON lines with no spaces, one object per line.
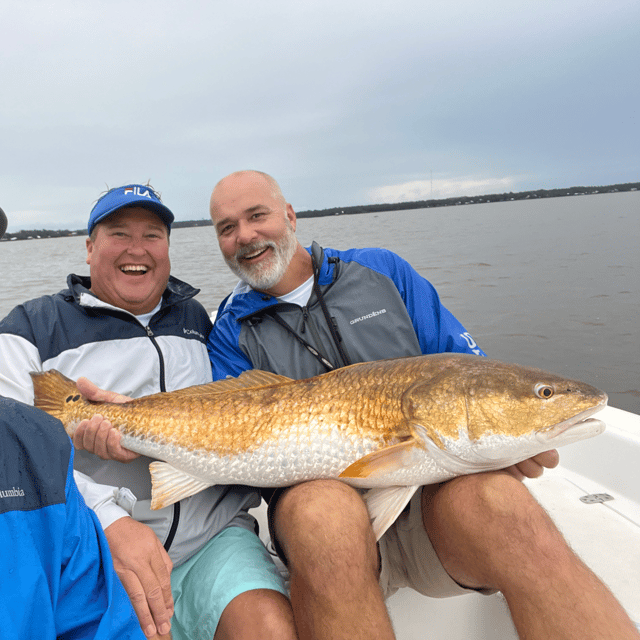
{"x":488,"y":531}
{"x":324,"y":530}
{"x":260,"y":613}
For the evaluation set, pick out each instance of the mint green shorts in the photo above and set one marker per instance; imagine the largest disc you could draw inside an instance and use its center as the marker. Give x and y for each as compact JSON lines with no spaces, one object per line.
{"x":232,"y":562}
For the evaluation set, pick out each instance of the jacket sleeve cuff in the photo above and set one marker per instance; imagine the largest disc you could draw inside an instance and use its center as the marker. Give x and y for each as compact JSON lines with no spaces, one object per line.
{"x":109,"y":503}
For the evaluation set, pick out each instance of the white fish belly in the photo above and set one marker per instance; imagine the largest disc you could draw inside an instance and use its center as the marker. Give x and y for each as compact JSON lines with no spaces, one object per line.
{"x":295,"y":459}
{"x":272,"y":464}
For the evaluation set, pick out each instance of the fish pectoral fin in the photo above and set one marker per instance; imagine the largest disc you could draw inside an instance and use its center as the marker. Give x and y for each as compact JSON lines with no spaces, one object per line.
{"x":246,"y":380}
{"x":384,"y":461}
{"x":385,"y":504}
{"x":168,"y":485}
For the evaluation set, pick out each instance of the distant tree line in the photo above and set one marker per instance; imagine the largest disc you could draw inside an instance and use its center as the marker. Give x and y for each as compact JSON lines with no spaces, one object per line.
{"x":448,"y":202}
{"x":36,"y":234}
{"x":32,"y":234}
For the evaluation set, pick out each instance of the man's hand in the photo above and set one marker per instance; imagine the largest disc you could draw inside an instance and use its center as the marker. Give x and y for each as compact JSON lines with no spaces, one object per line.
{"x":534,"y":467}
{"x":97,"y":435}
{"x":144,"y":568}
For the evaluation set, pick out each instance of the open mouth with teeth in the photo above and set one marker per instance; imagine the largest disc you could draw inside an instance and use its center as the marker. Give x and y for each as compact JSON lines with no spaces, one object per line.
{"x":247,"y":257}
{"x":134,"y":269}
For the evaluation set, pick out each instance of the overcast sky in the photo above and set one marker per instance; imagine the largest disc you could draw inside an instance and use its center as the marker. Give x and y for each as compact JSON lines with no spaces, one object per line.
{"x":344,"y":102}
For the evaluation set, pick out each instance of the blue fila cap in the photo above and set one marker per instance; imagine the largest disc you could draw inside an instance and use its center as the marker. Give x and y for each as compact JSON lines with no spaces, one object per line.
{"x":130,"y":195}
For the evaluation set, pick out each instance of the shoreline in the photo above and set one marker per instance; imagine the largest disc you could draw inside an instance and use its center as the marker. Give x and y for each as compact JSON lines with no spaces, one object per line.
{"x":38,"y":234}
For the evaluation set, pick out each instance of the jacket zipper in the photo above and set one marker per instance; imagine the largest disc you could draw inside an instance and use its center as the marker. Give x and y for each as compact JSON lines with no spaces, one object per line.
{"x":152,"y":337}
{"x":163,"y":387}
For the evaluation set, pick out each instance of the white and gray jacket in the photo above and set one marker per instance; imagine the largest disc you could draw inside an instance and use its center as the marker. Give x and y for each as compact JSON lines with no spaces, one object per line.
{"x":79,"y":335}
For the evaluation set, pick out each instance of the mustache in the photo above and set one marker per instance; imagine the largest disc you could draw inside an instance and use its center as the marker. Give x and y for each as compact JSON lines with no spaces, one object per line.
{"x":254,"y":248}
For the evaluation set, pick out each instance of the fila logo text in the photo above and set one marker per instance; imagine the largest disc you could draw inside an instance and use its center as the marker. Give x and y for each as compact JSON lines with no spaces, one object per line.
{"x":136,"y":191}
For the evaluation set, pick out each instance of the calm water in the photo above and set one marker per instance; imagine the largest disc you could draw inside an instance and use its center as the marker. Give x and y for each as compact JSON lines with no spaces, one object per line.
{"x":550,"y":283}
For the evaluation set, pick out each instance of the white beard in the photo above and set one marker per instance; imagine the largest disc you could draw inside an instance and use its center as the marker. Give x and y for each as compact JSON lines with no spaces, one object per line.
{"x":268,"y":273}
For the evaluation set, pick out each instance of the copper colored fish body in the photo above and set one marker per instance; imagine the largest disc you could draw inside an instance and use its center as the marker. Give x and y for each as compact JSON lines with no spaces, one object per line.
{"x":392,"y":424}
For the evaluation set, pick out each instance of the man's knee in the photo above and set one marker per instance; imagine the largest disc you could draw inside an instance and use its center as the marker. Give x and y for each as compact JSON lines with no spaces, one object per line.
{"x":324,"y":518}
{"x":481,"y":499}
{"x":259,"y":613}
{"x":482,"y":523}
{"x":320,"y":505}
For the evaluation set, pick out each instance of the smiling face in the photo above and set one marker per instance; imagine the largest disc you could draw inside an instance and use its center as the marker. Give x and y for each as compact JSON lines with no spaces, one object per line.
{"x":128,"y":256}
{"x":256,"y":233}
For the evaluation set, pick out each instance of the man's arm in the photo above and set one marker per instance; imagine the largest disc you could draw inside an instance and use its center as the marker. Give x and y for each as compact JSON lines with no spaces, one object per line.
{"x":144,"y":567}
{"x":92,"y":602}
{"x":140,"y":560}
{"x":227,"y":359}
{"x":19,"y":357}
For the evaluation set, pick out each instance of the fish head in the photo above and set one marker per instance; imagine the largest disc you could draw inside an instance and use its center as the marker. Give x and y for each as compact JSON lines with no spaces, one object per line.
{"x":496,"y":407}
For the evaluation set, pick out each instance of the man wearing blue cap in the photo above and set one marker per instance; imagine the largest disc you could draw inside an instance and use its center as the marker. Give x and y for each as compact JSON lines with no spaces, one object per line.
{"x":134,"y":329}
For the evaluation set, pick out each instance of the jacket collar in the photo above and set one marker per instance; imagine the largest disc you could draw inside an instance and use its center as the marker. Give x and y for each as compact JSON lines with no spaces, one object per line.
{"x":176,"y":291}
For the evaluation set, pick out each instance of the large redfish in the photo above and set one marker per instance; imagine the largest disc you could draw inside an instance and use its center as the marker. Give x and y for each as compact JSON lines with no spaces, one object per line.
{"x":392,"y":425}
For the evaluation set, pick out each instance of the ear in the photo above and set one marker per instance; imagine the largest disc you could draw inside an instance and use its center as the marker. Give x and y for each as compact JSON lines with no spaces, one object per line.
{"x":89,"y":244}
{"x":291,"y":215}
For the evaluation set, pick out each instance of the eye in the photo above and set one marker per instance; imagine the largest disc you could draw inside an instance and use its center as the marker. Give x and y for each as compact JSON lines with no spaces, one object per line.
{"x":543,"y":391}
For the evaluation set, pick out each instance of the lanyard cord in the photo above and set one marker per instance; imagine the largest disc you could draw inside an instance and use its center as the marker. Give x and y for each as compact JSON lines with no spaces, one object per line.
{"x":314,"y":352}
{"x":331,"y":323}
{"x":335,"y":334}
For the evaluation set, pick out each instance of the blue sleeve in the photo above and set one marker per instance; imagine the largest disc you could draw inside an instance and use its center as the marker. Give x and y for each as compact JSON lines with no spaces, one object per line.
{"x":427,"y":312}
{"x":227,"y":359}
{"x":56,"y":574}
{"x":92,"y":602}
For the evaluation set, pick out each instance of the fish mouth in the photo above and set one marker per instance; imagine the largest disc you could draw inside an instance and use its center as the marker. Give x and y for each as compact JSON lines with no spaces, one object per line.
{"x":581,"y":425}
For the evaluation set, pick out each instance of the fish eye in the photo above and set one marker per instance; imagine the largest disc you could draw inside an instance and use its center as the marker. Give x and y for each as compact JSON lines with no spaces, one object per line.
{"x":543,"y":391}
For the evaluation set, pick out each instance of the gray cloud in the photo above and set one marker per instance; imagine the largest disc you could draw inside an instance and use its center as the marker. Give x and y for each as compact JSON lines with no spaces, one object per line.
{"x":343,"y":102}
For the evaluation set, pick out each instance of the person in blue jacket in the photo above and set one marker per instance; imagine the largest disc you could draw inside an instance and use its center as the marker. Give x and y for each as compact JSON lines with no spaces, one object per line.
{"x":56,"y":575}
{"x":298,"y":312}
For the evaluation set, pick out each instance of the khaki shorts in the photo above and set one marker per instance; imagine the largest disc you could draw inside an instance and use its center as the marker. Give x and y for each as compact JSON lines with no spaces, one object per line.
{"x":408,"y":559}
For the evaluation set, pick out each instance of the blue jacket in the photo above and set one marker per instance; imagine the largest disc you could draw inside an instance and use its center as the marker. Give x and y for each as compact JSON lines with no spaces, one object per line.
{"x":377,"y":306}
{"x":56,"y":575}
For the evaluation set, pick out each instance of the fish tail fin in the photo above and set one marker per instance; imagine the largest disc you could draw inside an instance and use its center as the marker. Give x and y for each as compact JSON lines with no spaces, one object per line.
{"x":385,"y":504}
{"x":50,"y":388}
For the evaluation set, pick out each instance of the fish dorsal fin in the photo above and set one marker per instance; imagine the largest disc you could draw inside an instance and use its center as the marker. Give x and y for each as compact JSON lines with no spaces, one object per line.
{"x":384,"y":461}
{"x":247,"y":380}
{"x":257,"y":378}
